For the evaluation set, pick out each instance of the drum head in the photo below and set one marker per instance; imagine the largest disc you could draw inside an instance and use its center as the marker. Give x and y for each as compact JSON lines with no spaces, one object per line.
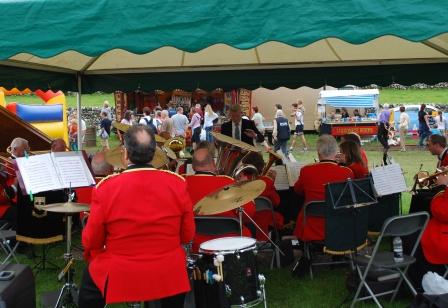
{"x":226,"y":244}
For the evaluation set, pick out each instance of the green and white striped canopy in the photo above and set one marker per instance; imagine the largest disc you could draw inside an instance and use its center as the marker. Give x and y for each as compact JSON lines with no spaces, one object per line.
{"x":117,"y":44}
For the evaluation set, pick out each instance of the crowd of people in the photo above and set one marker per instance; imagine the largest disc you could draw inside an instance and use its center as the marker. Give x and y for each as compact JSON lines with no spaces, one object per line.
{"x":134,"y":246}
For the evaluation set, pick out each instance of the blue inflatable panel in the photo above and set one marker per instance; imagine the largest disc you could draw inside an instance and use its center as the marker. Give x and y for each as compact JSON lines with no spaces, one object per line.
{"x":39,"y":113}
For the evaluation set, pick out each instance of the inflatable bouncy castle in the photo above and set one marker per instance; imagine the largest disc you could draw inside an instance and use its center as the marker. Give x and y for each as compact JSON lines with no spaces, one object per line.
{"x":50,"y":117}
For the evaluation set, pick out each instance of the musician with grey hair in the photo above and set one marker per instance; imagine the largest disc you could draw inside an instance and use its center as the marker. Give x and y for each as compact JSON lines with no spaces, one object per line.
{"x":311,"y":184}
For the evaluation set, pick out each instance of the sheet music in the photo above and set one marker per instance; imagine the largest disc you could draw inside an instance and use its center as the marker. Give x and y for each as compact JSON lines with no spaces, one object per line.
{"x":72,"y":169}
{"x":189,"y":169}
{"x":388,"y":180}
{"x":38,"y":173}
{"x":293,"y":170}
{"x":281,"y":179}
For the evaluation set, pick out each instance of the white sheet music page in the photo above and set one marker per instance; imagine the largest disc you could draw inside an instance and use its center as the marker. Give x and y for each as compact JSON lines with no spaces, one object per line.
{"x":38,"y":173}
{"x":281,"y":179}
{"x":293,"y":171}
{"x":388,"y":180}
{"x":72,"y":169}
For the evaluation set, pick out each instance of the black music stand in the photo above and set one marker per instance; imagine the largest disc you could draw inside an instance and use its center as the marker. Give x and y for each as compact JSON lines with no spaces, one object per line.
{"x":347,"y":201}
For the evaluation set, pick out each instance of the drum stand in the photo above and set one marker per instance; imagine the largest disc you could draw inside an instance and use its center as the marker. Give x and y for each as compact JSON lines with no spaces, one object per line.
{"x":240,"y":215}
{"x":68,"y":296}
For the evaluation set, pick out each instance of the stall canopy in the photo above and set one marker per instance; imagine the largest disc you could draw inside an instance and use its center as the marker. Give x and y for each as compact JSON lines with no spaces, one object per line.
{"x":115,"y":44}
{"x":349,"y":98}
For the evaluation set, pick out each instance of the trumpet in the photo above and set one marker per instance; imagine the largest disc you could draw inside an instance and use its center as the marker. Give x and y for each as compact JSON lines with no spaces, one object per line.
{"x":432,"y":177}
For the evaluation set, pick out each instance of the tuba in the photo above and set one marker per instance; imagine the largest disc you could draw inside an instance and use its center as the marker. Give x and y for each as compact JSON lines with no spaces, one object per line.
{"x":231,"y":154}
{"x":175,"y":144}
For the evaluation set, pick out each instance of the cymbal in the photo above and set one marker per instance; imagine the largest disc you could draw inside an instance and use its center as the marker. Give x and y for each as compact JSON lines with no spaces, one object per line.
{"x":115,"y":157}
{"x":235,"y":142}
{"x":120,"y":126}
{"x":67,"y":207}
{"x":229,"y":197}
{"x":160,"y":159}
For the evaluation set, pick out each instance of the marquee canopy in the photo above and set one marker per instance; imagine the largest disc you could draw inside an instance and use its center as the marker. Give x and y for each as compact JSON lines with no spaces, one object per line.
{"x":115,"y":44}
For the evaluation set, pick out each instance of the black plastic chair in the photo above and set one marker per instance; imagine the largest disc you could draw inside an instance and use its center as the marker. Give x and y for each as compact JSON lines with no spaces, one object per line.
{"x":264,"y":204}
{"x":215,"y":225}
{"x":395,"y":226}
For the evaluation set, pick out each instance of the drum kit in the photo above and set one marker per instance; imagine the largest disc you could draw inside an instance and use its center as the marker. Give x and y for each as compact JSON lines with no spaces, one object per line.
{"x":225,"y":271}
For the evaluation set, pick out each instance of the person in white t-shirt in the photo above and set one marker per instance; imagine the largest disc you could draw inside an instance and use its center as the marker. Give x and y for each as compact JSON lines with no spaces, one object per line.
{"x":441,"y":123}
{"x":403,"y":127}
{"x":209,"y":117}
{"x":258,"y":120}
{"x":298,"y":111}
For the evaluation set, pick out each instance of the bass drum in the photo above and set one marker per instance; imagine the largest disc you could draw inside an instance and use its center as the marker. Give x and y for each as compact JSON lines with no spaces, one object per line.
{"x":226,"y":275}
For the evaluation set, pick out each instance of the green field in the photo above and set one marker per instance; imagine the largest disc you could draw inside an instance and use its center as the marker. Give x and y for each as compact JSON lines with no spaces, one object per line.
{"x":391,"y":96}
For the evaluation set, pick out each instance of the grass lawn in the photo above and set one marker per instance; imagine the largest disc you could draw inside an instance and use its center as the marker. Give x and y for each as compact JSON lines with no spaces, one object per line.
{"x":328,"y":287}
{"x":392,"y":96}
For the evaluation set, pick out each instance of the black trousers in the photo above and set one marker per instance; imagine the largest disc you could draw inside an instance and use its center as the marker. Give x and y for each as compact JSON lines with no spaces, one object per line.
{"x":90,"y":296}
{"x":383,"y":134}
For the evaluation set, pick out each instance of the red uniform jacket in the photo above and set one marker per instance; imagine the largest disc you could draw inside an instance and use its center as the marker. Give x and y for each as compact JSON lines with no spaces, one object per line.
{"x":138,"y":221}
{"x":200,"y":185}
{"x":359,"y":170}
{"x":435,"y":237}
{"x":364,"y":158}
{"x":264,"y":219}
{"x":443,"y":161}
{"x":311,"y":184}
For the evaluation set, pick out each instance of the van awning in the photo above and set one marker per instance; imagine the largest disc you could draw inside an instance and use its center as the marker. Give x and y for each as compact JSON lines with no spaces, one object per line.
{"x":350,"y":98}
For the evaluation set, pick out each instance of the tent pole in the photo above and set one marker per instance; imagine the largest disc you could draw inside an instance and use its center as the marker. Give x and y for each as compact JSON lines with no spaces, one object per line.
{"x":78,"y":107}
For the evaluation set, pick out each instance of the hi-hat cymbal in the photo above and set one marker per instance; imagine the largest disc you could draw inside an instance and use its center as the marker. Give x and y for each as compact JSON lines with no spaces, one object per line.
{"x":235,"y":142}
{"x":120,"y":126}
{"x":229,"y":197}
{"x":160,"y":159}
{"x":67,"y":207}
{"x":115,"y":157}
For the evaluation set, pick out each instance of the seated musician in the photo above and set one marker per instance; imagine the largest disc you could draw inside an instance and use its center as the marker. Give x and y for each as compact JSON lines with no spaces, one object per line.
{"x":133,"y":240}
{"x":311,"y":184}
{"x":205,"y":181}
{"x":432,"y":253}
{"x":35,"y":226}
{"x":264,"y":218}
{"x":241,"y":129}
{"x":437,"y":146}
{"x":356,"y":138}
{"x":350,"y":157}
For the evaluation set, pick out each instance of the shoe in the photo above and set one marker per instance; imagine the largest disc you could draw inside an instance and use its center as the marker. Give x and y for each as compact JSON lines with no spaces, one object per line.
{"x":291,"y":148}
{"x":305,"y":149}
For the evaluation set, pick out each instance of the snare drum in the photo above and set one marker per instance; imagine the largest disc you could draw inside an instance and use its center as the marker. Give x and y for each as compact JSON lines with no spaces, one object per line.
{"x":225,"y":274}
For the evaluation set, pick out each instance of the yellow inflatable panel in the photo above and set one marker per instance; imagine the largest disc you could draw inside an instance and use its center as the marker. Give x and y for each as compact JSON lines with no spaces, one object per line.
{"x":52,"y":129}
{"x":2,"y":99}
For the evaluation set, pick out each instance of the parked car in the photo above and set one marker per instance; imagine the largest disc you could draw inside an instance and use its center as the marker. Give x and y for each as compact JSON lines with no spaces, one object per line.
{"x":412,"y":111}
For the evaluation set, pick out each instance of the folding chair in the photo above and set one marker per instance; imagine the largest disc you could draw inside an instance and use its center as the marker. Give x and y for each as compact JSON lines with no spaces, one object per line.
{"x":6,"y":237}
{"x":394,"y":226}
{"x":264,"y":204}
{"x":345,"y":232}
{"x":312,"y":209}
{"x":214,"y":225}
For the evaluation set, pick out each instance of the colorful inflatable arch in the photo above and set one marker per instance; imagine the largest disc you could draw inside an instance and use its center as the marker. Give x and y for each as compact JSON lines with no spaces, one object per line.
{"x":50,"y":118}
